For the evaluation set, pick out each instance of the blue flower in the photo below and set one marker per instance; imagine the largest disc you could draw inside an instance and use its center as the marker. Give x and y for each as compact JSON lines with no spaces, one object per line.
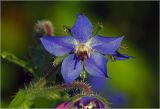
{"x":85,"y":52}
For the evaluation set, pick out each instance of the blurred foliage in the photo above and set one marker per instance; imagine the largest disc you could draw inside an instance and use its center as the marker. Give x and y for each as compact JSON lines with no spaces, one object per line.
{"x":136,"y":79}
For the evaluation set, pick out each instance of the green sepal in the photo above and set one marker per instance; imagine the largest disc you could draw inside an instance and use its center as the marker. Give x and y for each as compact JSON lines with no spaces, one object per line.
{"x":58,"y":60}
{"x":110,"y":57}
{"x":97,"y":29}
{"x":83,"y":75}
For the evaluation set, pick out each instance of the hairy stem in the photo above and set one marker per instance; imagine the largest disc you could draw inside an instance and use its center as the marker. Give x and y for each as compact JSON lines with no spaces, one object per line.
{"x":80,"y":85}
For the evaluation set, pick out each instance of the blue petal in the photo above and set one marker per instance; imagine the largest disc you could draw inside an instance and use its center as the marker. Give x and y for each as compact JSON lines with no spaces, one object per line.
{"x":58,"y":46}
{"x":69,"y":70}
{"x":106,"y":45}
{"x":82,"y":29}
{"x":96,"y":65}
{"x":118,"y":56}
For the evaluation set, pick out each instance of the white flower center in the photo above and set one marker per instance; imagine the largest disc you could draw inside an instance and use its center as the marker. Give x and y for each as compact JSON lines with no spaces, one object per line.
{"x":83,"y":51}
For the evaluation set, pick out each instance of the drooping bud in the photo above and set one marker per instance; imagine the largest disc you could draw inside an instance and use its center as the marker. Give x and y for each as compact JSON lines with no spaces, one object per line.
{"x":89,"y":103}
{"x":85,"y":102}
{"x":43,"y":28}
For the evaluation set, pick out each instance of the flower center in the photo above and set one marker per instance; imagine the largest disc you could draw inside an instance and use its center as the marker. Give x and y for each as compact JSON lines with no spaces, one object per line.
{"x":83,"y":51}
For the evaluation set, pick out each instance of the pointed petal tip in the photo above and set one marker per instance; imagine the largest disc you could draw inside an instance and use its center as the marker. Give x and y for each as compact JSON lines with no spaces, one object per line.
{"x":80,"y":14}
{"x":122,"y":37}
{"x":82,"y":28}
{"x":43,"y":37}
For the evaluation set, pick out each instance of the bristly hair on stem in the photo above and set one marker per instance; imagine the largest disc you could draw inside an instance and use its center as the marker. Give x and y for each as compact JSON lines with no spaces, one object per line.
{"x":86,"y":89}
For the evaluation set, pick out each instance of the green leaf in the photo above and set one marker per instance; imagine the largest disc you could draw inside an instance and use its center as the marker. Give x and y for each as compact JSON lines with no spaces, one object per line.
{"x":12,"y":58}
{"x":28,"y":98}
{"x":20,"y":100}
{"x":42,"y":102}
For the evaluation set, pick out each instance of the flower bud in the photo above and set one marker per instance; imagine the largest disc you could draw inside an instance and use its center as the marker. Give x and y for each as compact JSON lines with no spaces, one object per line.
{"x":64,"y":105}
{"x":43,"y":28}
{"x":85,"y":102}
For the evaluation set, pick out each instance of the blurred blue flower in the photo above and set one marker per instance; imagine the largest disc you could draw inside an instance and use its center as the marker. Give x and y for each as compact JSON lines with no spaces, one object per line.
{"x":116,"y":98}
{"x":85,"y":52}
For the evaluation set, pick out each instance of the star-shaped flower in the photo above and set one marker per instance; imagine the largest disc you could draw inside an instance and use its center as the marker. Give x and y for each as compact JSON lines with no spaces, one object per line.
{"x":85,"y":52}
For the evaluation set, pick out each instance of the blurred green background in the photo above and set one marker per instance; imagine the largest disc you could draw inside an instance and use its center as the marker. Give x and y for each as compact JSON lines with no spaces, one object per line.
{"x":137,"y":79}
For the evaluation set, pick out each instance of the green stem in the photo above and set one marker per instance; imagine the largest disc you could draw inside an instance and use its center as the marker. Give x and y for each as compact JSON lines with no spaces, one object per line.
{"x":12,"y":58}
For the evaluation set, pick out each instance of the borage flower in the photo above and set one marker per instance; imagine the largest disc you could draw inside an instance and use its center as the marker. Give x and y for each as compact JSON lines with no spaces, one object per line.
{"x":88,"y":102}
{"x":85,"y":52}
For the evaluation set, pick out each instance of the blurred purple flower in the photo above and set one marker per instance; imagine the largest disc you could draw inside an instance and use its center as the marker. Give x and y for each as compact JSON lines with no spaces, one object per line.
{"x":84,"y":51}
{"x":116,"y":98}
{"x":88,"y":102}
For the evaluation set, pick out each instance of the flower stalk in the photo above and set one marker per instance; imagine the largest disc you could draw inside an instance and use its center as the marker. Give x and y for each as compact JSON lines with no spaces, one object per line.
{"x":86,"y":89}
